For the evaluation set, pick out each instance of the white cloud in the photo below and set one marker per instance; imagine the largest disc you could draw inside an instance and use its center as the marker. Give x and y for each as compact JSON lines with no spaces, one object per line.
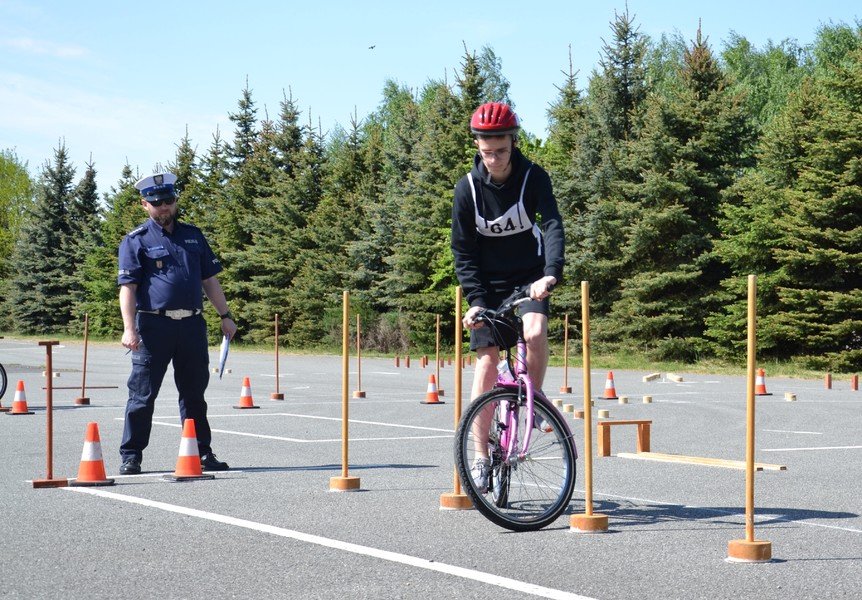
{"x":45,"y":48}
{"x":113,"y":128}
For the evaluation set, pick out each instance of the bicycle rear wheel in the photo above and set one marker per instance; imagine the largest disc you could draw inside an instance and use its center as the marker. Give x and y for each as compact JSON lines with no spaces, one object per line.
{"x":3,"y":381}
{"x":523,"y":495}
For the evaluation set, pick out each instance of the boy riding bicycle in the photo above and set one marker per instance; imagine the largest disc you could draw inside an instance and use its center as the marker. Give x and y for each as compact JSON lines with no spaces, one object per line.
{"x":500,"y":244}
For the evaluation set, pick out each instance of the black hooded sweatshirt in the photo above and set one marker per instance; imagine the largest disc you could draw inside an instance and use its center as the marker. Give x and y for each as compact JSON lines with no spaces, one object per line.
{"x":495,"y":243}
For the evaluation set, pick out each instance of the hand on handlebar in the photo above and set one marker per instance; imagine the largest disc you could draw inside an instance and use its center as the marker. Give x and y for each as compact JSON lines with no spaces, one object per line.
{"x":469,"y":319}
{"x":541,"y":288}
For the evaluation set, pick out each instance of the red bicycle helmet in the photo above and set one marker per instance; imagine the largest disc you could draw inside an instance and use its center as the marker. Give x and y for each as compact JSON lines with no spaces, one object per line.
{"x":494,"y":118}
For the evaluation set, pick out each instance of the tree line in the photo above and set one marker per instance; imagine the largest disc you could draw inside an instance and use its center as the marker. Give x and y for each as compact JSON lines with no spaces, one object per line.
{"x":679,"y":170}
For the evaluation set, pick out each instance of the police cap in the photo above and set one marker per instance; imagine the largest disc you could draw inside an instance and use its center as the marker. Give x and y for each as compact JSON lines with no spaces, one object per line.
{"x":157,"y":187}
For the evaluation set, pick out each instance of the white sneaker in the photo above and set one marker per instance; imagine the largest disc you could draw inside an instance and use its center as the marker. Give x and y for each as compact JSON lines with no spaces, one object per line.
{"x":540,"y":423}
{"x":481,"y":472}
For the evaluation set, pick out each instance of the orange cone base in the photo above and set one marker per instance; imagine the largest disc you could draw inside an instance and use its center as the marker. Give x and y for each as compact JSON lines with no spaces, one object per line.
{"x":607,"y":398}
{"x":453,"y":501}
{"x":49,"y":483}
{"x":245,"y":407}
{"x":594,"y":523}
{"x":565,"y":390}
{"x":764,"y":394}
{"x":276,"y":397}
{"x":82,"y":401}
{"x":359,"y":394}
{"x":180,"y":478}
{"x":25,"y":412}
{"x":344,"y":484}
{"x":76,"y":483}
{"x":745,"y":551}
{"x":432,"y":401}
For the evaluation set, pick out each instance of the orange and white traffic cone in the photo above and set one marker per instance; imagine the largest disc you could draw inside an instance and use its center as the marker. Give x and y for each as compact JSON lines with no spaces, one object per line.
{"x":245,"y":399}
{"x":19,"y":404}
{"x":760,"y":384}
{"x":431,"y":396}
{"x":610,"y":390}
{"x":91,"y":471}
{"x":189,"y":459}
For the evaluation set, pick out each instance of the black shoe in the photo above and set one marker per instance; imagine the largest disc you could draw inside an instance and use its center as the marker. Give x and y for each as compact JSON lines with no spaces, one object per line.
{"x":130,"y":466}
{"x":209,"y":462}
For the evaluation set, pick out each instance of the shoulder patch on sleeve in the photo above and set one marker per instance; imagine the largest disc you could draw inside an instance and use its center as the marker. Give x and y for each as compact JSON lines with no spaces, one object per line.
{"x":137,"y":231}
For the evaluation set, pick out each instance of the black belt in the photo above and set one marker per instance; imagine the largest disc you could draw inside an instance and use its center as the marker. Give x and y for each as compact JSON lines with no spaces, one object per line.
{"x":177,"y":314}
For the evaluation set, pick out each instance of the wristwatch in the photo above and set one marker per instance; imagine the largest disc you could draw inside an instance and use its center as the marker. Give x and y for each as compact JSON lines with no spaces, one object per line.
{"x":227,"y":315}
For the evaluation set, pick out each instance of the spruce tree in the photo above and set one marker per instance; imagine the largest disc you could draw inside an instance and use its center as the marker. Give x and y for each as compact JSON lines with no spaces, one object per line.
{"x":41,"y":298}
{"x":85,"y":214}
{"x":99,"y":268}
{"x":688,"y":152}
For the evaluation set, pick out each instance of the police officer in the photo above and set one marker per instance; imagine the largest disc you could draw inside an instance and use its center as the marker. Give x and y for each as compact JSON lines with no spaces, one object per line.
{"x":165,"y":266}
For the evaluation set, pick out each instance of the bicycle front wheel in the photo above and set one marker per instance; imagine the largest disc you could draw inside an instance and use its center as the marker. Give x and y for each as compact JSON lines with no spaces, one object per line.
{"x":3,"y":381}
{"x":519,"y":494}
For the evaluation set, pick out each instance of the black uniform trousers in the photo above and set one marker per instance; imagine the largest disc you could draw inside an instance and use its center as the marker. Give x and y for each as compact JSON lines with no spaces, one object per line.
{"x":183,"y":341}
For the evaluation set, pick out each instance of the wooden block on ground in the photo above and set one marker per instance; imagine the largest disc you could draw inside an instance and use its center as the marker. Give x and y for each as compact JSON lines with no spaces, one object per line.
{"x":623,"y":400}
{"x":790,"y":397}
{"x":568,"y":408}
{"x":579,"y":414}
{"x":647,"y":399}
{"x":674,"y":377}
{"x":651,"y":377}
{"x":558,"y":403}
{"x":604,"y":414}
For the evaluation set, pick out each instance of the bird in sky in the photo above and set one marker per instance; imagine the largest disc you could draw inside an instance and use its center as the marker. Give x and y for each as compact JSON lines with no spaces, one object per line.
{"x":372,"y":47}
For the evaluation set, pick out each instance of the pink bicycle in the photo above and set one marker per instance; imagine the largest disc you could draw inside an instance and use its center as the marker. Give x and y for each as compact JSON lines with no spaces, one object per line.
{"x":513,"y":449}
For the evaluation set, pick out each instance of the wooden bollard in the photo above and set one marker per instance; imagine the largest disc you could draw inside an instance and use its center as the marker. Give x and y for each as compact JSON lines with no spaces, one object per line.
{"x":854,"y":383}
{"x":828,"y":381}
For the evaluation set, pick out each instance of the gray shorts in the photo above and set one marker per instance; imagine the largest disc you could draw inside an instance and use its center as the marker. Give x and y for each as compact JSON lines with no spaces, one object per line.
{"x":484,"y":338}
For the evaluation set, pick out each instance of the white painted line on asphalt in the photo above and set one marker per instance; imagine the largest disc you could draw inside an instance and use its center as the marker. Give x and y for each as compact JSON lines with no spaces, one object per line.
{"x":395,"y":557}
{"x":758,"y":516}
{"x":313,"y":441}
{"x":790,"y":431}
{"x":812,"y":448}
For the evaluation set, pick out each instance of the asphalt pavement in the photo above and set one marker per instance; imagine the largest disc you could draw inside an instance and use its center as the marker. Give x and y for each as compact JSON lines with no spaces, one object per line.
{"x":271,"y":528}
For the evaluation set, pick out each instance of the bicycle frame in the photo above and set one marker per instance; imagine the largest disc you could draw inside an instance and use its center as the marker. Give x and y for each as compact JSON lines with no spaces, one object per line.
{"x":509,"y":436}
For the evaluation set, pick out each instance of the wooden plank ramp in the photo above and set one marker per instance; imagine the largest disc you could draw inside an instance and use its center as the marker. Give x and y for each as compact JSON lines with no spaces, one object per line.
{"x":699,"y":460}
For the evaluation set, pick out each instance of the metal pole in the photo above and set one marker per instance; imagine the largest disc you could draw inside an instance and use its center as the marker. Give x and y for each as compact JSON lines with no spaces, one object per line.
{"x":49,"y":481}
{"x":588,"y":423}
{"x":84,"y":400}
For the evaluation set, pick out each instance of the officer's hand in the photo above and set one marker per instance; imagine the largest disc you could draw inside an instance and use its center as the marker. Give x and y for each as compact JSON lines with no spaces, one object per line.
{"x":469,"y":318}
{"x":541,"y":288}
{"x":131,"y":339}
{"x":228,"y":327}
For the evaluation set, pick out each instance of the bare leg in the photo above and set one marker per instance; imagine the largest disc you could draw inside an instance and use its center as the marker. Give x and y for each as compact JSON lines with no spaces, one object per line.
{"x":483,"y":380}
{"x":536,"y":336}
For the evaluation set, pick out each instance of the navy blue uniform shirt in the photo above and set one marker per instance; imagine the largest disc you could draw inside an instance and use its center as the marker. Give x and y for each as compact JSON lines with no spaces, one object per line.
{"x":167,"y":267}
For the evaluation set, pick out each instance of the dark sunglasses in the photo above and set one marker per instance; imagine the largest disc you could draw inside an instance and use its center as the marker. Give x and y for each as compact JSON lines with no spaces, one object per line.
{"x":165,"y":201}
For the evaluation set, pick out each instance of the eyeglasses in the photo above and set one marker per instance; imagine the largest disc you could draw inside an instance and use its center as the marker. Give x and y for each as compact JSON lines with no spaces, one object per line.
{"x":495,"y":154}
{"x":165,"y":201}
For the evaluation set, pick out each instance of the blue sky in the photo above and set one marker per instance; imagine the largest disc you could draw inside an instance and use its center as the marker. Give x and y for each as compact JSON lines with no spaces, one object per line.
{"x":121,"y":81}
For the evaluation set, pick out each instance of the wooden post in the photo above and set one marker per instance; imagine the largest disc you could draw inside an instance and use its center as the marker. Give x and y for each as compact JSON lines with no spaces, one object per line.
{"x":588,"y":522}
{"x":565,"y":389}
{"x":345,"y":483}
{"x":457,"y":500}
{"x":276,"y":395}
{"x":358,"y":393}
{"x":437,"y":359}
{"x":49,"y":481}
{"x":83,"y":400}
{"x":750,"y":549}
